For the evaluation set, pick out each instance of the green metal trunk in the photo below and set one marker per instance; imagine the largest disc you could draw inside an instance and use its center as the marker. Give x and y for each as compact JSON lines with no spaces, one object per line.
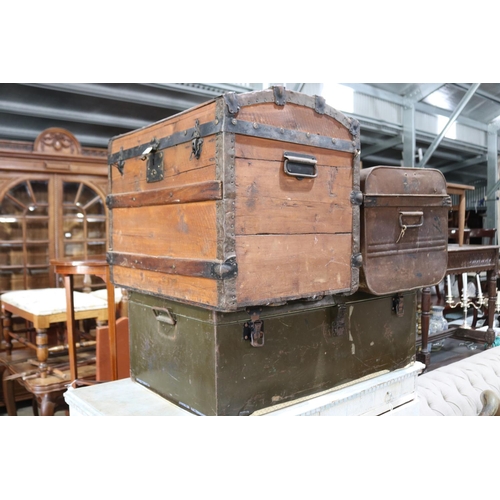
{"x":201,"y":360}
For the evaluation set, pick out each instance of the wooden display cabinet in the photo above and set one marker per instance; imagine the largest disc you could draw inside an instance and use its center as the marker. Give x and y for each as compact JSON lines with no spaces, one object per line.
{"x":52,"y":205}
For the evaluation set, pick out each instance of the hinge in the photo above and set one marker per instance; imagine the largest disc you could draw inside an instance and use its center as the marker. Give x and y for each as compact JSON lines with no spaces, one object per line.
{"x":120,"y":162}
{"x":279,"y":95}
{"x":319,"y":104}
{"x":231,"y":100}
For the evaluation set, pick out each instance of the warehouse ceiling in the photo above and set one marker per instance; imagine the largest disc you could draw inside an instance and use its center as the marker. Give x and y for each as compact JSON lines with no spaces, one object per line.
{"x":94,"y":113}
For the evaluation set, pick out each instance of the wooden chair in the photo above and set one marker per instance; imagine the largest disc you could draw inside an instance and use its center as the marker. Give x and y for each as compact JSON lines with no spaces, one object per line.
{"x":47,"y":389}
{"x":487,"y":235}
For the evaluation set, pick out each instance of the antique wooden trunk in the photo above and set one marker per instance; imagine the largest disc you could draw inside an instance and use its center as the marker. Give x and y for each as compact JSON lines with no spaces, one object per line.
{"x":216,"y":363}
{"x":247,"y":199}
{"x":404,"y":228}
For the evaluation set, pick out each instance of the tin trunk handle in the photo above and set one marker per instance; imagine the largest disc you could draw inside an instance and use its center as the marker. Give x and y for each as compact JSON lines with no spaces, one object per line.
{"x":299,"y":165}
{"x":411,"y":214}
{"x":163,"y":315}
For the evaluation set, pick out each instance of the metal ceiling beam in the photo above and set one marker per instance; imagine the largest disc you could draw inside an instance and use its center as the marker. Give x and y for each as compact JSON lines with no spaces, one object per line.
{"x":423,"y":90}
{"x":27,"y":134}
{"x":53,"y":113}
{"x":119,"y":94}
{"x":467,"y":97}
{"x":433,"y":110}
{"x":381,"y":146}
{"x":464,"y":164}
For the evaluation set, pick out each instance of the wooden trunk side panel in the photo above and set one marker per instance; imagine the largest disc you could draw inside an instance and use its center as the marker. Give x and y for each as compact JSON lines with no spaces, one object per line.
{"x":268,"y":201}
{"x":185,"y":231}
{"x":294,"y":265}
{"x":179,"y":168}
{"x":257,"y":148}
{"x":184,"y":288}
{"x":294,"y":117}
{"x":177,"y":123}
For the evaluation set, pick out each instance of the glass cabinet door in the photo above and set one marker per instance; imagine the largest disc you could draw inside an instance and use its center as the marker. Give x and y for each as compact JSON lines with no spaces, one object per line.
{"x":84,"y":222}
{"x":41,"y":219}
{"x":24,"y":236}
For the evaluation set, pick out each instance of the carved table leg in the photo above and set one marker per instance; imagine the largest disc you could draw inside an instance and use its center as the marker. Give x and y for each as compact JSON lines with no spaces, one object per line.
{"x":46,"y":405}
{"x":49,"y":402}
{"x":42,"y":350}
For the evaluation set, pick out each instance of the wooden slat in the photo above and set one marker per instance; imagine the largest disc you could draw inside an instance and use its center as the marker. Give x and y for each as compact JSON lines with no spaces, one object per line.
{"x":184,"y":288}
{"x":294,"y":265}
{"x":179,"y":168}
{"x":185,"y":231}
{"x":177,"y":123}
{"x":270,"y":201}
{"x":257,"y":148}
{"x":191,"y":193}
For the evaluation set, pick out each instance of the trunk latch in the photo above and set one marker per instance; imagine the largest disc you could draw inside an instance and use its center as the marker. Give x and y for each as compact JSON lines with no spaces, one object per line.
{"x":154,"y":170}
{"x":253,"y":330}
{"x":398,"y":305}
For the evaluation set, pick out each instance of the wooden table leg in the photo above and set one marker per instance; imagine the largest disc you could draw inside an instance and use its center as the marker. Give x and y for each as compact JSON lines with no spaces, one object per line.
{"x":7,"y":325}
{"x":8,"y":395}
{"x":70,"y":320}
{"x":492,"y":289}
{"x":48,"y":403}
{"x":42,"y":350}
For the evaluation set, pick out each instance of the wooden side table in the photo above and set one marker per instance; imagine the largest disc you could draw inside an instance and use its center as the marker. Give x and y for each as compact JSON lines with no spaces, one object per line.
{"x":67,"y":268}
{"x":463,"y":259}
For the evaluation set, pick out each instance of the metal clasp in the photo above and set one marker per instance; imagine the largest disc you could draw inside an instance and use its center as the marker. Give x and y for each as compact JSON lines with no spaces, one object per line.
{"x":253,"y":330}
{"x":154,"y":169}
{"x":398,"y":305}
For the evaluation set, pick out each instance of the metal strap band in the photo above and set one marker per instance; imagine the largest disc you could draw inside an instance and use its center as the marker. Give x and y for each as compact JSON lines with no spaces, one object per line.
{"x":244,"y":128}
{"x":212,"y":269}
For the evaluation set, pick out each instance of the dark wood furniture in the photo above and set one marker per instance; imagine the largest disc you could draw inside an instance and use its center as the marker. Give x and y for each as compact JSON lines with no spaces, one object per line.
{"x":52,"y":205}
{"x":464,"y":259}
{"x":47,"y":390}
{"x":40,"y":361}
{"x":97,"y":267}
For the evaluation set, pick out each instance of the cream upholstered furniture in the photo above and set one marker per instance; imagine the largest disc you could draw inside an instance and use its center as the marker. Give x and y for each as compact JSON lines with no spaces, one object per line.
{"x":455,"y":389}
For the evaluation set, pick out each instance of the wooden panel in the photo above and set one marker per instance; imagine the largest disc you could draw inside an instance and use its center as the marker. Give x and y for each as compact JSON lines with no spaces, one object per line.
{"x":171,"y":125}
{"x":186,"y":231}
{"x":185,"y":288}
{"x":187,"y":193}
{"x":256,"y":148}
{"x":294,"y":265}
{"x":268,"y":201}
{"x":179,"y":168}
{"x":294,"y":117}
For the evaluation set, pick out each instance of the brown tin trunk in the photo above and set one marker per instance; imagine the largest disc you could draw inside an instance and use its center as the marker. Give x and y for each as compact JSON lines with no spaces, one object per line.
{"x":404,"y":228}
{"x":248,"y":199}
